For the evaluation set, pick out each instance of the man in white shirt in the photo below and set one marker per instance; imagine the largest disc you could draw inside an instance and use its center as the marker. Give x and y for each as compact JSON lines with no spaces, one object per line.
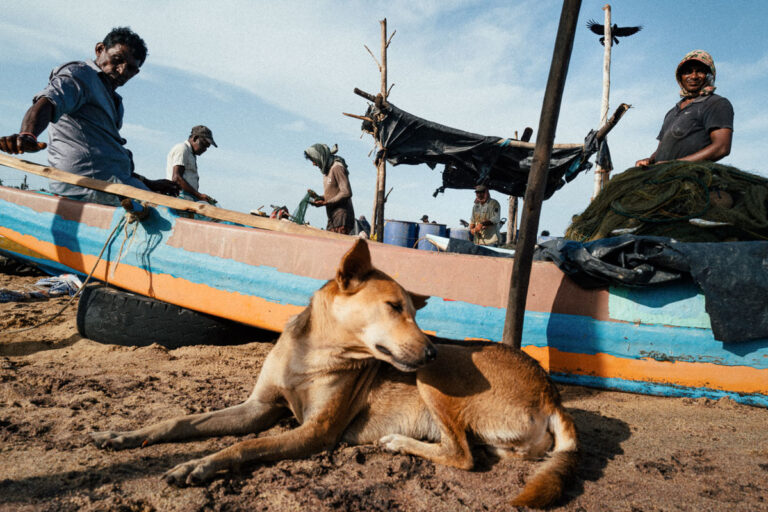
{"x":181,"y":165}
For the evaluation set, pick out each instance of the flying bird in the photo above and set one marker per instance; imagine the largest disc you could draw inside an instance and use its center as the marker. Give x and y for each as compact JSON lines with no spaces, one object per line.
{"x":616,"y":31}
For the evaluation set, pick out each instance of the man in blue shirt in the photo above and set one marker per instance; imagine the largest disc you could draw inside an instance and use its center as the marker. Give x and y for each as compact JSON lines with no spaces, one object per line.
{"x":84,"y":114}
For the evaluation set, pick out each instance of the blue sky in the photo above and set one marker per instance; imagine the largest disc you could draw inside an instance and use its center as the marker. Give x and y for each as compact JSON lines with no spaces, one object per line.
{"x":272,"y":78}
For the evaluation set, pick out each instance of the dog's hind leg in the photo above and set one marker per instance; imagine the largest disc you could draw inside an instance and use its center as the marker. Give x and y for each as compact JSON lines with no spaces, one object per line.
{"x":247,"y":417}
{"x":453,"y":448}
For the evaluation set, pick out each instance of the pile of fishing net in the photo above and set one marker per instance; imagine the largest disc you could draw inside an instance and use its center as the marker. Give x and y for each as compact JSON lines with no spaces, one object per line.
{"x":687,"y":201}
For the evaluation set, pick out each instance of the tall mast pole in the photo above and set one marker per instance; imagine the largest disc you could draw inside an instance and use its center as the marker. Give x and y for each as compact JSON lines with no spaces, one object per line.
{"x":601,"y":175}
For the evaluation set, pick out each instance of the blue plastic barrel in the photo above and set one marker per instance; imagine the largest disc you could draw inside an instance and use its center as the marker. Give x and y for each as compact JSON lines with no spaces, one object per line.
{"x":460,"y":233}
{"x":397,"y":232}
{"x":430,"y":229}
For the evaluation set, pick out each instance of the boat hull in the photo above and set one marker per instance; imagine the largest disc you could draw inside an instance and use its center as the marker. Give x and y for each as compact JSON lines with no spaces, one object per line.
{"x":649,"y":340}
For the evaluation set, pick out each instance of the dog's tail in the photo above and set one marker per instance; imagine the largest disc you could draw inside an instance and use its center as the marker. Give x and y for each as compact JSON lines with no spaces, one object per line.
{"x":546,"y":485}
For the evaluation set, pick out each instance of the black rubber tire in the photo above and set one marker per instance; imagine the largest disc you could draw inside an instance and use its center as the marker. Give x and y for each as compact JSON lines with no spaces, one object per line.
{"x":114,"y":316}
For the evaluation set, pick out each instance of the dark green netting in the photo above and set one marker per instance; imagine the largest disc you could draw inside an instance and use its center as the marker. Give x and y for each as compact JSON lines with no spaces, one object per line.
{"x":663,"y":199}
{"x":301,"y":210}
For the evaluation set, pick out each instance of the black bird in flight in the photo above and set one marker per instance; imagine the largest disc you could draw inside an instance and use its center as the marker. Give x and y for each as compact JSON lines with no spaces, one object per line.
{"x":616,"y":31}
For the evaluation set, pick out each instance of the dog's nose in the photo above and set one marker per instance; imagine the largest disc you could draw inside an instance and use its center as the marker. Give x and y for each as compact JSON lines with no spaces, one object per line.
{"x":430,"y":353}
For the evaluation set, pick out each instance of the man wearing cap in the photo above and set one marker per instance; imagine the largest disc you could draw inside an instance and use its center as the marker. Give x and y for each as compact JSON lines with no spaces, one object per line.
{"x":486,"y":217}
{"x":83,"y":115}
{"x":700,"y":126}
{"x":181,"y":164}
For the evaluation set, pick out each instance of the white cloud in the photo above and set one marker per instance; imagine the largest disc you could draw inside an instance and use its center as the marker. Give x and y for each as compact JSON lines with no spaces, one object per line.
{"x":144,"y":133}
{"x":296,"y":126}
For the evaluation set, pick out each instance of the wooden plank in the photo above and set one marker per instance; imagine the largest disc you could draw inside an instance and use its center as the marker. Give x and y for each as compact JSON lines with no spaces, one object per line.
{"x":163,"y":200}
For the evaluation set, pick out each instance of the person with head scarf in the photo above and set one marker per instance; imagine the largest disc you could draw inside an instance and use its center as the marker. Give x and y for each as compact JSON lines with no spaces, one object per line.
{"x":337,"y":193}
{"x":700,"y":126}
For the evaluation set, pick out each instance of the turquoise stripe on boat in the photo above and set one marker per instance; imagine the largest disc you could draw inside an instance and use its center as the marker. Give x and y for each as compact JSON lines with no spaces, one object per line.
{"x":678,"y":304}
{"x":147,"y":250}
{"x":585,"y":335}
{"x":666,"y":390}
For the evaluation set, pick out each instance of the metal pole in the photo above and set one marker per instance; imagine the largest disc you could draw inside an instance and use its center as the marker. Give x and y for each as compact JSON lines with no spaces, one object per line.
{"x":537,"y":179}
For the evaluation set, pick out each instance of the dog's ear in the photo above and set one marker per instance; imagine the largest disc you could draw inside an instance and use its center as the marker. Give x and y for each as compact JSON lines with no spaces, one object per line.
{"x":354,"y":266}
{"x":419,"y":301}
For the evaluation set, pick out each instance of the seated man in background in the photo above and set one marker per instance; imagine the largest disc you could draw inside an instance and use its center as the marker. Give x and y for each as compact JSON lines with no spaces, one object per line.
{"x":486,"y":218}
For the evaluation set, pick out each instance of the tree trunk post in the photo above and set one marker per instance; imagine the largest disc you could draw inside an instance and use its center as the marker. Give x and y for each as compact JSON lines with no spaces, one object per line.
{"x":381,"y":171}
{"x":512,"y":222}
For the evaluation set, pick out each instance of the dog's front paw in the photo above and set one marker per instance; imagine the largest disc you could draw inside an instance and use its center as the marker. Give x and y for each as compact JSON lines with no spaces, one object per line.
{"x":193,"y":472}
{"x":115,"y":440}
{"x":394,"y":442}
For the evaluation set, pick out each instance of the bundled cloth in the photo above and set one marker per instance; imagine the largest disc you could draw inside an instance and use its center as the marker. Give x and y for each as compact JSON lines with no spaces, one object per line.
{"x":686,"y":201}
{"x":64,"y":284}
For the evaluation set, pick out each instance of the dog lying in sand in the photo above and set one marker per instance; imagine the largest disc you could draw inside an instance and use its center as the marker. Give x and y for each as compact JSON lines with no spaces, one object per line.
{"x":355,"y":367}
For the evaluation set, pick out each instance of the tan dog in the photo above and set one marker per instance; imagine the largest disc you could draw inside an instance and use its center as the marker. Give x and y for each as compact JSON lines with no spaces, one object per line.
{"x":355,"y":367}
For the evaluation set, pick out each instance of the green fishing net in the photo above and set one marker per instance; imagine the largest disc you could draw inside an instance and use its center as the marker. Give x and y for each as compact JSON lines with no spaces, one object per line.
{"x":687,"y":201}
{"x":301,"y":210}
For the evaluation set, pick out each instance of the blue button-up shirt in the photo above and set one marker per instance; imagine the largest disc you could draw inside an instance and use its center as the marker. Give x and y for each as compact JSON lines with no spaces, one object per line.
{"x":84,"y":136}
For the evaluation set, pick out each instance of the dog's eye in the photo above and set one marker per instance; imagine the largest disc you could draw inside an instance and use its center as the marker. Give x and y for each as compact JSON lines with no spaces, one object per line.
{"x":397,"y":307}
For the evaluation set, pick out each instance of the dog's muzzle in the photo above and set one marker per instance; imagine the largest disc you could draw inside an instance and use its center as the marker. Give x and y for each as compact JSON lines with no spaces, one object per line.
{"x":428,"y":354}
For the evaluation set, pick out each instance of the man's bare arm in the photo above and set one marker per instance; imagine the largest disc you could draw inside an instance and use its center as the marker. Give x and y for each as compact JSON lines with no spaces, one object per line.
{"x":720,"y":147}
{"x":34,"y":123}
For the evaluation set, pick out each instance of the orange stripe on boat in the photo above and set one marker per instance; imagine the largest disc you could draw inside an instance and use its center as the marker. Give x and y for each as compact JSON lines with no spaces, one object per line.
{"x":738,"y":379}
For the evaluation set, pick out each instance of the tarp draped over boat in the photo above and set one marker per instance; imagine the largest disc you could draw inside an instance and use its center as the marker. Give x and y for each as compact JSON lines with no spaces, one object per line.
{"x":470,"y":159}
{"x":731,"y":275}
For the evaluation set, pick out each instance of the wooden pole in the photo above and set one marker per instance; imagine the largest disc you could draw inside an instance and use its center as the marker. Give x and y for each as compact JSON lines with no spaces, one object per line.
{"x":537,"y":179}
{"x":513,"y":201}
{"x":160,"y":199}
{"x":601,"y":175}
{"x":512,"y":222}
{"x":381,"y":164}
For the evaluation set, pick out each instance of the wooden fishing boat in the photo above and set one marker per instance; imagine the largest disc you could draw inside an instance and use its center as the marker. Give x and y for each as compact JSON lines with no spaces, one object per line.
{"x":645,"y":340}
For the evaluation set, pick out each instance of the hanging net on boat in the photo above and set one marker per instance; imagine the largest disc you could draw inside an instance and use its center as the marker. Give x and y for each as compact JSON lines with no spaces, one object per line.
{"x":687,"y":201}
{"x":301,"y":210}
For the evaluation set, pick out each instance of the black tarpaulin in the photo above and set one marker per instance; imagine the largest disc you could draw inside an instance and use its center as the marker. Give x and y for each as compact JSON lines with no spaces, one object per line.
{"x":470,"y":159}
{"x":733,"y":276}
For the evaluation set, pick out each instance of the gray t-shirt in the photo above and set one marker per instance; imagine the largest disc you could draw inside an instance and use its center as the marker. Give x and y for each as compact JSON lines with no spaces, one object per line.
{"x":84,"y":135}
{"x":686,"y":131}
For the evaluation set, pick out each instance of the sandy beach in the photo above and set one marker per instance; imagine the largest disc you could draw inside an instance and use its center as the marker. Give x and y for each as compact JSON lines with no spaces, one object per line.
{"x":639,"y":453}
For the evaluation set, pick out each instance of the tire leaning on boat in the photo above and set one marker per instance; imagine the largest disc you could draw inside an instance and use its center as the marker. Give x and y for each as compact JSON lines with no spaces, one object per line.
{"x":109,"y":315}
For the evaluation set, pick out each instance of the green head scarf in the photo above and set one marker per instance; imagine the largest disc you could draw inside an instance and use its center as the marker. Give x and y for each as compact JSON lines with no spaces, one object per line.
{"x":323,"y":156}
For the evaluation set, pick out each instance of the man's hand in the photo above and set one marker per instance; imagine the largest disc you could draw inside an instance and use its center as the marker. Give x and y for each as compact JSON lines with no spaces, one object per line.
{"x":207,"y":199}
{"x":18,"y":143}
{"x":166,"y":187}
{"x":645,"y":162}
{"x":318,"y":202}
